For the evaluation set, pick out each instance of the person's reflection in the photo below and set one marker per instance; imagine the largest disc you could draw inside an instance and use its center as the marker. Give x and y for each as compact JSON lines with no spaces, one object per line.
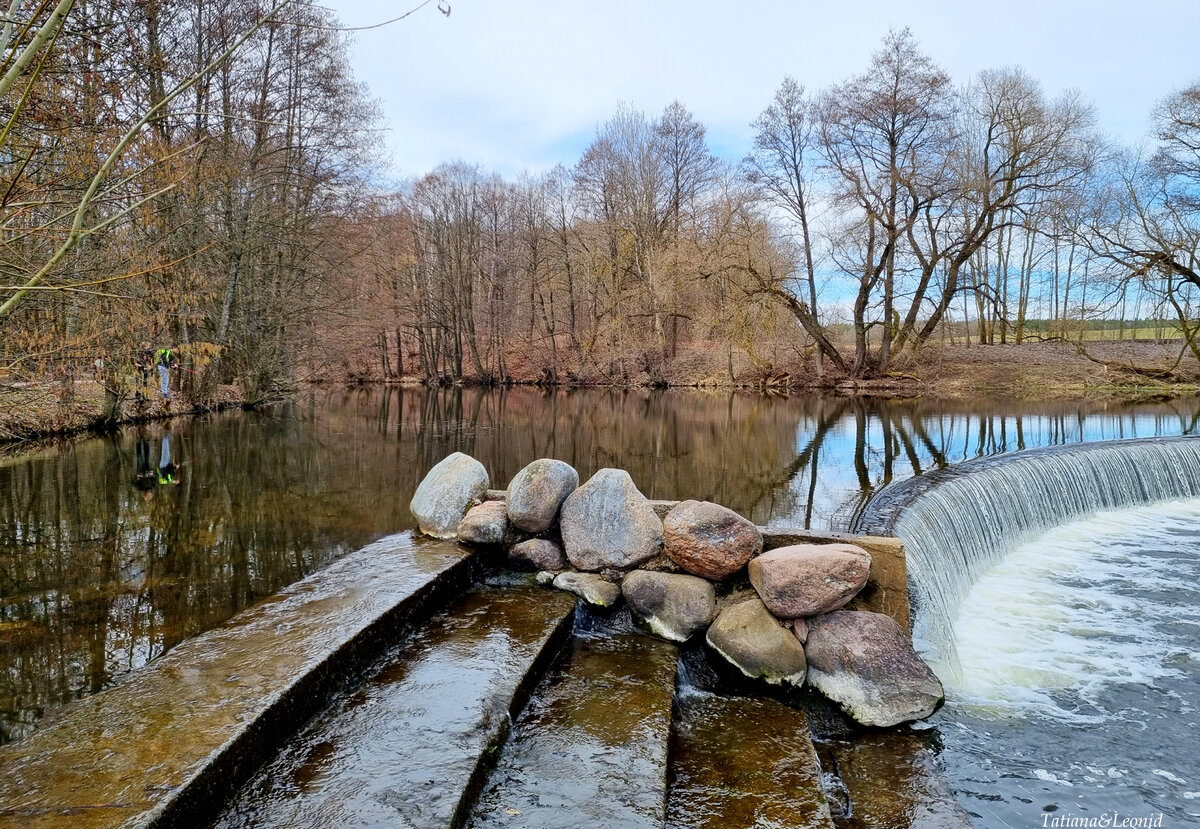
{"x":147,"y":477}
{"x":166,"y":467}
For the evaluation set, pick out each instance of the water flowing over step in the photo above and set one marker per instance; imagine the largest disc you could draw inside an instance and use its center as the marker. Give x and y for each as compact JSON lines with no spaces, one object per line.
{"x":592,"y":747}
{"x":743,"y":763}
{"x":958,"y":522}
{"x":175,"y":738}
{"x":411,"y":746}
{"x":890,"y":780}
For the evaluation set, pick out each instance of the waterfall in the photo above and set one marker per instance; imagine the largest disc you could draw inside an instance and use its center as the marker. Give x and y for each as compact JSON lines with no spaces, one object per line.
{"x":956,"y":523}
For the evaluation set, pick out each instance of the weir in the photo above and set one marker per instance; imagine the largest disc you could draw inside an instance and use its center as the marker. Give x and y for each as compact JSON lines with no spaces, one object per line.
{"x":957,"y":523}
{"x":439,"y":697}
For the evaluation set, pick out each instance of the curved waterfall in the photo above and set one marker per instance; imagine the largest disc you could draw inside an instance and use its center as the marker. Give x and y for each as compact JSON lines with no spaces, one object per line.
{"x":958,"y":522}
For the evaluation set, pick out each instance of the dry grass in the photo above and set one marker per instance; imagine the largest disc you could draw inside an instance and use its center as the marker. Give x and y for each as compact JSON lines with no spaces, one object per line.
{"x":1053,"y":370}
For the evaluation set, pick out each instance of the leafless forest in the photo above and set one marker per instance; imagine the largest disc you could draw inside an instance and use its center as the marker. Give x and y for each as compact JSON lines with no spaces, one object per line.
{"x":206,"y":174}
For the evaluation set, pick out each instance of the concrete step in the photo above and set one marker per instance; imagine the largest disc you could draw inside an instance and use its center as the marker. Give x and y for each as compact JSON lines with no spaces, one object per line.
{"x":591,"y":748}
{"x":412,"y":745}
{"x":174,"y":740}
{"x":890,"y":780}
{"x":743,"y":762}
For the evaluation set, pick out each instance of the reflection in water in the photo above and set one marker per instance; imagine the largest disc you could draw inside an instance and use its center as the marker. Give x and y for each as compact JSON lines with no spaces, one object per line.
{"x":109,"y":556}
{"x":98,"y":575}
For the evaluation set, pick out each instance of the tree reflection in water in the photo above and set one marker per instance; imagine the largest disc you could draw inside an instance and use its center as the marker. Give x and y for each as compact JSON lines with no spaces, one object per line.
{"x":109,"y":558}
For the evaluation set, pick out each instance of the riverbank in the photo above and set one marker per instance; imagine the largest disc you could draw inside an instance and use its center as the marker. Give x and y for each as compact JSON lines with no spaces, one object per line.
{"x":1025,"y":372}
{"x":39,"y":410}
{"x":1031,"y":371}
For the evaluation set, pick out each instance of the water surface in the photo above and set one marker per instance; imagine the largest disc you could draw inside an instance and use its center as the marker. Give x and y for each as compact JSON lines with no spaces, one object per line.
{"x":1077,"y":688}
{"x":109,"y":556}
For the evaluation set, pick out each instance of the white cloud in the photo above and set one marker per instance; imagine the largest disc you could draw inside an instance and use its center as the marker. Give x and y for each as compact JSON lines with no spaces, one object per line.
{"x":522,"y":83}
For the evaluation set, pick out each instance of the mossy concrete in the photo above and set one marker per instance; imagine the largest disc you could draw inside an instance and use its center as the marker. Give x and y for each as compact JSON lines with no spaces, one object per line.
{"x":891,"y":781}
{"x":592,"y":747}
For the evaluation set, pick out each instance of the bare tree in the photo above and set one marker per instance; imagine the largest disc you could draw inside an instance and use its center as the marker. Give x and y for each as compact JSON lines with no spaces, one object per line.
{"x":785,"y":149}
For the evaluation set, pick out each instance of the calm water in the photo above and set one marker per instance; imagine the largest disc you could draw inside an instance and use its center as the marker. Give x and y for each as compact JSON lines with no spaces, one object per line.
{"x":109,"y":556}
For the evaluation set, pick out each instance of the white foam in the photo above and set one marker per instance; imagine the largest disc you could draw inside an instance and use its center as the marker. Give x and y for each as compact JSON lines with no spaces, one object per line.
{"x":1173,"y":778}
{"x":1042,"y":774}
{"x":1062,"y":613}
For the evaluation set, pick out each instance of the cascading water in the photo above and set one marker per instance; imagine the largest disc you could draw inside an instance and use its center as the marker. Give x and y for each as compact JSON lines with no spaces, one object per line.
{"x":1057,"y":594}
{"x":959,"y":522}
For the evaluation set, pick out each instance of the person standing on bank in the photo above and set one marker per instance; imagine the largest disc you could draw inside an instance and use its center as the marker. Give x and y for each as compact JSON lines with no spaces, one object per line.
{"x":164,"y":360}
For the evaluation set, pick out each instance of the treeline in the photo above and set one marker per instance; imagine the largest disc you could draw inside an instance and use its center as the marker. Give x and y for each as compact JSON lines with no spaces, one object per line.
{"x":173,"y":171}
{"x":863,"y":222}
{"x":195,"y":173}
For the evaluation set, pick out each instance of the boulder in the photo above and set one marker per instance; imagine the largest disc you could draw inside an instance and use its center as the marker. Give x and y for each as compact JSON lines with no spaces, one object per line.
{"x":800,"y":628}
{"x":537,"y":491}
{"x":589,"y":587}
{"x":485,"y":525}
{"x":864,"y":662}
{"x":748,"y":637}
{"x":537,"y":554}
{"x":452,"y":487}
{"x":709,"y":540}
{"x":673,"y":606}
{"x":607,"y":522}
{"x":809,"y":579}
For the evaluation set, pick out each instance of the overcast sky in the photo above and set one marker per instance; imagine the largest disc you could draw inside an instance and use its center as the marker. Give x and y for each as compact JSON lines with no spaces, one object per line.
{"x":522,"y":84}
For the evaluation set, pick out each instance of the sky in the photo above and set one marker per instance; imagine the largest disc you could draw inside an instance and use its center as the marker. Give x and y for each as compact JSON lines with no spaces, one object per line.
{"x":516,"y":85}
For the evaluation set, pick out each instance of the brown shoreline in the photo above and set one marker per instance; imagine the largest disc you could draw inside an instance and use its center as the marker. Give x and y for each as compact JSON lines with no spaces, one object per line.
{"x":1026,"y":372}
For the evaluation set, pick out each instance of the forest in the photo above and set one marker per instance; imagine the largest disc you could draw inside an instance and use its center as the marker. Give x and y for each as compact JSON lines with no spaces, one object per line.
{"x":207,"y":174}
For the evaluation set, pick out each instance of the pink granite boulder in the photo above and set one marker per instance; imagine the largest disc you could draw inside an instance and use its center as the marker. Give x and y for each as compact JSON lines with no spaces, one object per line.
{"x":809,"y":579}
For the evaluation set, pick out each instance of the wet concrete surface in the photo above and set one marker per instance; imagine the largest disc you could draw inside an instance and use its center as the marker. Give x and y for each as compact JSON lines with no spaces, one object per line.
{"x":410,"y":747}
{"x":890,"y":780}
{"x":591,"y":749}
{"x":179,"y":735}
{"x":746,"y":763}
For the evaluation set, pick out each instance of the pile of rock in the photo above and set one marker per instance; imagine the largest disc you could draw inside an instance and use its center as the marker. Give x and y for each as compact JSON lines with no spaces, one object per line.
{"x":687,"y":572}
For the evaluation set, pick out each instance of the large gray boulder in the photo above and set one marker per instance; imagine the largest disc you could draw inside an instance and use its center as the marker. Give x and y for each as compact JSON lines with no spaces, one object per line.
{"x":608,"y":523}
{"x":809,"y":579}
{"x":537,"y":554}
{"x":673,"y":606}
{"x":589,"y":587}
{"x":453,"y":486}
{"x":484,"y":525}
{"x":709,"y":540}
{"x":748,"y":637}
{"x":537,"y":491}
{"x":864,"y":662}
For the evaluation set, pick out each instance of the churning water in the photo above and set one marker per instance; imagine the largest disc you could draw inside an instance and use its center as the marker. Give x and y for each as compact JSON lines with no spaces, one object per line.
{"x":956,"y":524}
{"x":1059,"y":599}
{"x":1078,"y":683}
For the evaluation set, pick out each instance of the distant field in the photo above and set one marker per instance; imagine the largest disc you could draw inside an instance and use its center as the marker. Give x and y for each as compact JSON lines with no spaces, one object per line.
{"x":1132,"y":334}
{"x":1143,"y":333}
